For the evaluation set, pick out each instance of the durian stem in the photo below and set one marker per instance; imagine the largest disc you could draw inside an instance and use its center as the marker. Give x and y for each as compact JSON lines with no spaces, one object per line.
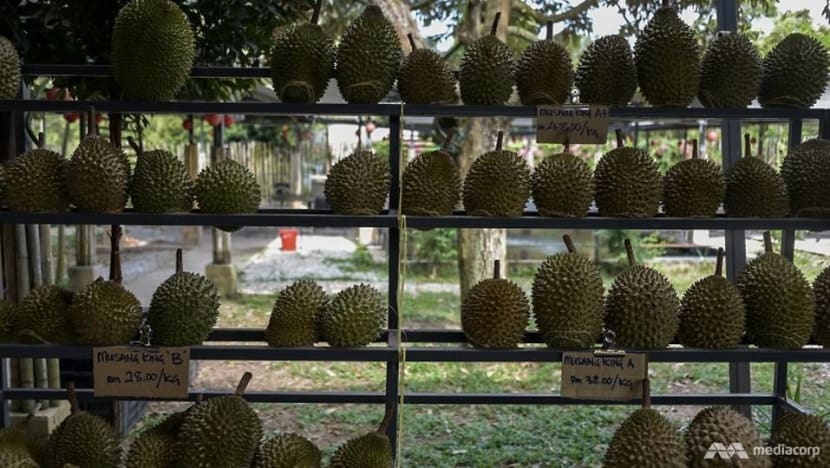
{"x":499,"y":141}
{"x":549,"y":30}
{"x":646,"y":393}
{"x":445,"y":146}
{"x":719,"y":264}
{"x":495,"y":26}
{"x":747,"y":145}
{"x":629,"y":252}
{"x":620,"y":142}
{"x":115,"y":254}
{"x":694,"y":149}
{"x":41,"y":140}
{"x":73,"y":398}
{"x":179,"y":261}
{"x":387,"y":419}
{"x":569,"y":243}
{"x":567,"y":144}
{"x":315,"y":16}
{"x":92,"y":129}
{"x":496,"y":269}
{"x":411,"y":41}
{"x":134,"y":145}
{"x":767,"y":242}
{"x":243,"y":383}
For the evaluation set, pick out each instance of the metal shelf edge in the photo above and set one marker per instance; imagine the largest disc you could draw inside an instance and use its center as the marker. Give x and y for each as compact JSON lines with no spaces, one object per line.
{"x":419,"y":398}
{"x":251,"y":396}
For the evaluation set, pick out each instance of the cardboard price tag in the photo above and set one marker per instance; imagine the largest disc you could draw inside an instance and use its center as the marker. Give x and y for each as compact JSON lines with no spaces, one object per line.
{"x":141,"y":372}
{"x":590,"y":376}
{"x":572,"y":124}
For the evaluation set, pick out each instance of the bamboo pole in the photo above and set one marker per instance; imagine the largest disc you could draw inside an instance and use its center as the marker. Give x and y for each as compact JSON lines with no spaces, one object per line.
{"x":27,"y":365}
{"x":53,"y":370}
{"x":10,"y":293}
{"x":33,"y":243}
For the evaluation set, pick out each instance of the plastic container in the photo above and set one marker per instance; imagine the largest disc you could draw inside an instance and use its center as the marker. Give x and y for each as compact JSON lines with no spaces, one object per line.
{"x":288,"y":237}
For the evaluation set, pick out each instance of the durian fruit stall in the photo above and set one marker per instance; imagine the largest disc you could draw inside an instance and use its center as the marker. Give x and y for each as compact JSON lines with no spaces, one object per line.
{"x":746,"y":310}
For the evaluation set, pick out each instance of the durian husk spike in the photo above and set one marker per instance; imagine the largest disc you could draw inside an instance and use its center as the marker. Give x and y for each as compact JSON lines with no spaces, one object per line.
{"x":411,"y":41}
{"x":499,"y":140}
{"x":646,"y":393}
{"x":494,"y":28}
{"x":695,"y":154}
{"x":549,"y":30}
{"x":767,"y":242}
{"x":73,"y":398}
{"x":179,"y":261}
{"x":243,"y":384}
{"x":620,"y":142}
{"x":41,"y":140}
{"x":134,"y":145}
{"x":747,"y":145}
{"x":496,"y":269}
{"x":719,"y":263}
{"x":629,"y":252}
{"x":569,"y":243}
{"x":315,"y":15}
{"x":387,"y":419}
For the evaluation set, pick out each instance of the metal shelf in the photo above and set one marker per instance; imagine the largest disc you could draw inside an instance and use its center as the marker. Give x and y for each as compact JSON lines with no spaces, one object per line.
{"x":417,"y":398}
{"x":252,"y":396}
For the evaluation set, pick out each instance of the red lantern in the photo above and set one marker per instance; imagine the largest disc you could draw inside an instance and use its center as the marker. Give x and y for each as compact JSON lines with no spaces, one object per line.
{"x":187,"y":124}
{"x":229,"y":120}
{"x":712,"y":136}
{"x":213,"y":119}
{"x":72,"y":117}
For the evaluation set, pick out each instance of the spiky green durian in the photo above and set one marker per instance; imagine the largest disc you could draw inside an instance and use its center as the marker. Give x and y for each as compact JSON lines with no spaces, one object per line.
{"x":17,"y":448}
{"x":795,"y":73}
{"x":105,"y":313}
{"x":161,"y":184}
{"x":731,"y":72}
{"x":646,"y":439}
{"x":36,"y":181}
{"x":353,"y":317}
{"x":821,"y":286}
{"x":152,"y":49}
{"x":155,"y":446}
{"x":712,"y":312}
{"x":801,"y":430}
{"x":805,"y":171}
{"x":98,"y":176}
{"x":288,"y":451}
{"x":727,"y":427}
{"x":497,"y":184}
{"x":227,"y":188}
{"x":431,"y":183}
{"x":368,"y":58}
{"x":425,"y":78}
{"x":627,"y":182}
{"x":372,"y":450}
{"x":495,"y":313}
{"x":693,"y":187}
{"x":754,"y":188}
{"x":544,"y":72}
{"x":780,"y":304}
{"x":295,"y":318}
{"x":667,"y":55}
{"x":486,"y":74}
{"x":562,"y":185}
{"x":606,"y":73}
{"x":43,"y":315}
{"x":358,"y":184}
{"x":220,"y":432}
{"x":8,"y":312}
{"x":642,"y":308}
{"x":302,"y":61}
{"x":183,"y":309}
{"x":84,"y":440}
{"x":9,"y":70}
{"x":568,"y":300}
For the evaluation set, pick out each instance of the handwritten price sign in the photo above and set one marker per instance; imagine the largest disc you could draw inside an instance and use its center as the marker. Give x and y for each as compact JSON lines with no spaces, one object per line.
{"x":615,"y":378}
{"x":574,"y":124}
{"x":141,"y":372}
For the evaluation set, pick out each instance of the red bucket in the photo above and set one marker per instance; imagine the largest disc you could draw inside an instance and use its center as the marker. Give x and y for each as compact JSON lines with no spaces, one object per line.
{"x":288,"y":237}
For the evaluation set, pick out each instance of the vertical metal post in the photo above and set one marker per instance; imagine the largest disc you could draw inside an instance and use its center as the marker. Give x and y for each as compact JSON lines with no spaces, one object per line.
{"x":780,"y":388}
{"x":824,"y":125}
{"x":393,"y":366}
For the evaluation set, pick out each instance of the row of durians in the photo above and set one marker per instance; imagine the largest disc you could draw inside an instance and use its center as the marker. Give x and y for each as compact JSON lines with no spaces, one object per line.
{"x":219,"y":432}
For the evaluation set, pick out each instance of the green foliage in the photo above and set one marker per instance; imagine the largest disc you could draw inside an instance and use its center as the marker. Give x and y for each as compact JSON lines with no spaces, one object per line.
{"x":644,"y":245}
{"x":433,"y":250}
{"x":794,"y":22}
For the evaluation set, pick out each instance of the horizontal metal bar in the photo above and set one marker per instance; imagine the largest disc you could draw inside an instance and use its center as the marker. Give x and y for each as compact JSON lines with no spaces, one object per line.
{"x":418,"y":398}
{"x":792,"y":406}
{"x":251,"y":396}
{"x":105,"y":71}
{"x":436,"y":335}
{"x":622,"y":113}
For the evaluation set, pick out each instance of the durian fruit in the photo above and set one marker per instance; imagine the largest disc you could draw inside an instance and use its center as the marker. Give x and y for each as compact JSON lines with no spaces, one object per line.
{"x":358,"y":184}
{"x":712,"y":312}
{"x":353,"y":317}
{"x":642,"y":308}
{"x":98,"y":176}
{"x":486,"y":73}
{"x":153,"y":49}
{"x":667,"y":55}
{"x":724,"y":426}
{"x":497,"y":184}
{"x":544,"y":72}
{"x":567,"y":299}
{"x":821,"y":286}
{"x":805,"y":171}
{"x":295,"y":318}
{"x":754,"y":188}
{"x":795,"y":73}
{"x":562,"y":185}
{"x":183,"y":309}
{"x":155,"y":446}
{"x":431,"y":183}
{"x":372,"y":450}
{"x":227,"y":188}
{"x":693,"y":187}
{"x":84,"y":440}
{"x":495,"y":312}
{"x":368,"y":58}
{"x":627,"y":183}
{"x":425,"y":78}
{"x":302,"y":61}
{"x":606,"y":73}
{"x":801,"y":430}
{"x":731,"y":72}
{"x":220,"y":432}
{"x":36,"y":182}
{"x":16,"y":446}
{"x":105,"y":313}
{"x":8,"y":312}
{"x":780,"y":304}
{"x":160,"y":183}
{"x":43,"y":316}
{"x":9,"y":70}
{"x":646,"y":439}
{"x":287,"y":451}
